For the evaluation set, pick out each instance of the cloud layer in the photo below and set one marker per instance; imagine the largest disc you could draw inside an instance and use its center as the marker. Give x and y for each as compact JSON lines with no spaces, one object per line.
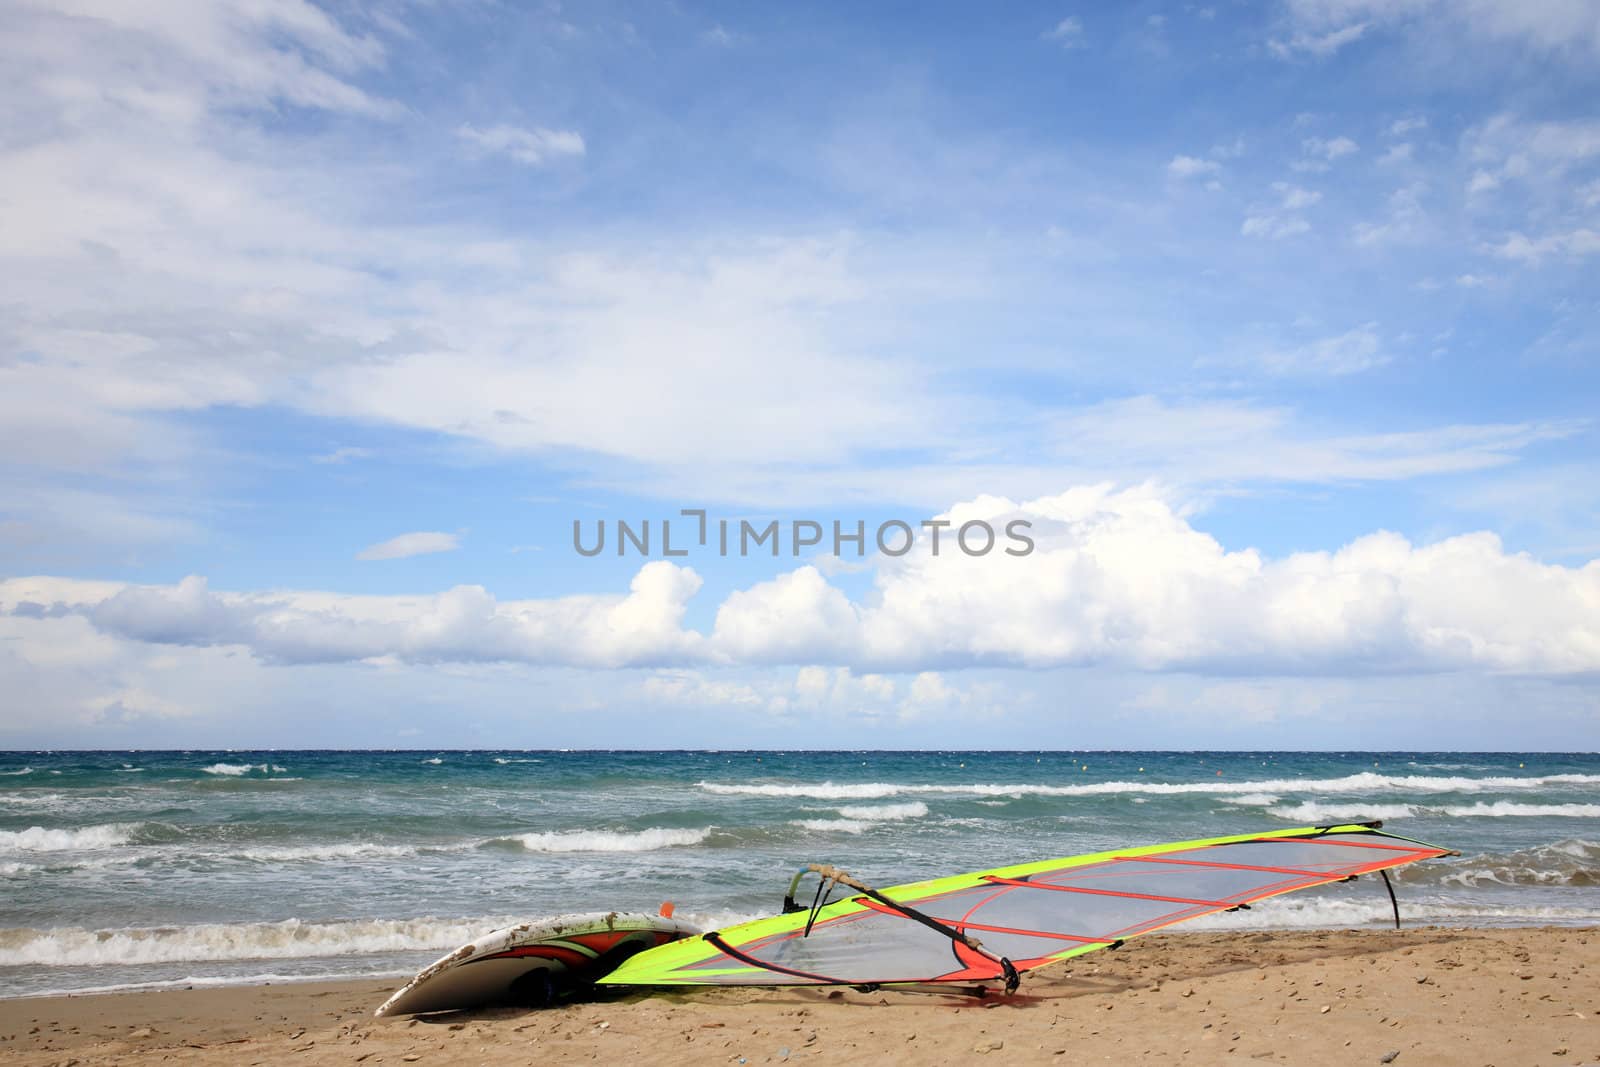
{"x":1118,"y":577}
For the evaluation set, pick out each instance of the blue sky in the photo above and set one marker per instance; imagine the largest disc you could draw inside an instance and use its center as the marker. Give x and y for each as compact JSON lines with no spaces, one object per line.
{"x":1278,"y":319}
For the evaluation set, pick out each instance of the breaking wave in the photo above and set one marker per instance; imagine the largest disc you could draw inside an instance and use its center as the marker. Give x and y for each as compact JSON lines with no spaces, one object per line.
{"x":1364,"y":782}
{"x":237,"y":770}
{"x":1313,"y":812}
{"x":885,"y":812}
{"x":1284,"y":913}
{"x":39,"y":839}
{"x":608,"y":840}
{"x":72,"y":946}
{"x":1572,"y":862}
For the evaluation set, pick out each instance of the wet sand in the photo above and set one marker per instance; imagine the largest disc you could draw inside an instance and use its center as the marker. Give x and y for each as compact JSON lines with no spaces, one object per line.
{"x":1425,"y":996}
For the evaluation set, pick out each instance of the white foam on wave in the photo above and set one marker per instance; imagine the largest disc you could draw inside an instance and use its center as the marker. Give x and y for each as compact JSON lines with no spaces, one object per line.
{"x":842,"y":826}
{"x":72,"y":946}
{"x":214,"y":981}
{"x":16,"y":774}
{"x":1572,"y":862}
{"x":1364,"y":782}
{"x":434,"y":762}
{"x":1315,"y":812}
{"x":1299,"y":912}
{"x":610,"y":840}
{"x":915,"y":809}
{"x":39,"y":839}
{"x":321,"y":853}
{"x":237,"y":770}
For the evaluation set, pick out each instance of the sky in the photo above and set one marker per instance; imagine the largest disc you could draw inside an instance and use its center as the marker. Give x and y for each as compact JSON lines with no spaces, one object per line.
{"x":1276,"y":323}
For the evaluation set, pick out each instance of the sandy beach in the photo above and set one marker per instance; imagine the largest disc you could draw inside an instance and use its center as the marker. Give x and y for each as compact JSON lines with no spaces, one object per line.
{"x":1423,"y":996}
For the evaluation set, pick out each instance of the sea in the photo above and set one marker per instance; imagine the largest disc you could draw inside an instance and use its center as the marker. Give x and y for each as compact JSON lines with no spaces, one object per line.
{"x":128,"y":870}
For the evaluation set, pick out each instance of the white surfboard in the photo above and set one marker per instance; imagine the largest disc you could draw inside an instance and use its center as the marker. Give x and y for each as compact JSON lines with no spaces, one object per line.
{"x":531,"y":962}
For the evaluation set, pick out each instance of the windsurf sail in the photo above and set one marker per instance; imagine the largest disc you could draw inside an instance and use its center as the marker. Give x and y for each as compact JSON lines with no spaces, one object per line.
{"x":990,"y":926}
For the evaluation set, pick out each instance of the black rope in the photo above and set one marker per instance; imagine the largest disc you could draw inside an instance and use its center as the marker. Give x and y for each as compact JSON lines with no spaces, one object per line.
{"x":816,"y":905}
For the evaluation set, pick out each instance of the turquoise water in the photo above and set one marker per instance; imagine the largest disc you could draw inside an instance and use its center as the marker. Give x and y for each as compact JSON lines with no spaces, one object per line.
{"x":153,"y":868}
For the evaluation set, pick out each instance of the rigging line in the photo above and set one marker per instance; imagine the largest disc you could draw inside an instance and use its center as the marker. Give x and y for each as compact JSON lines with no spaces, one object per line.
{"x":816,"y":905}
{"x":726,"y":949}
{"x":909,"y":912}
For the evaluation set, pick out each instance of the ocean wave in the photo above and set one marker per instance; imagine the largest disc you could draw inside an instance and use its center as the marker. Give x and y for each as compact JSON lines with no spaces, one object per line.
{"x":16,"y":774}
{"x":1362,"y":782}
{"x":885,"y":812}
{"x":608,"y":840}
{"x":1315,"y":812}
{"x":237,"y":770}
{"x":39,"y":839}
{"x":213,"y":981}
{"x":503,"y":761}
{"x":73,"y":946}
{"x":1282,"y":913}
{"x":843,"y":826}
{"x":321,"y":853}
{"x":434,"y":762}
{"x":1572,"y":862}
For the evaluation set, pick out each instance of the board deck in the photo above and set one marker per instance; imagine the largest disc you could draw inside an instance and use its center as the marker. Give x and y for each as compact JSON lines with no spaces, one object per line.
{"x":532,"y":962}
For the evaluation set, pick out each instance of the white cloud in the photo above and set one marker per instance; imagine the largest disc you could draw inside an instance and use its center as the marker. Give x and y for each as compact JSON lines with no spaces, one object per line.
{"x":186,"y":57}
{"x":1122,"y":577}
{"x":344,"y":455}
{"x":1404,"y":221}
{"x":1068,"y":33}
{"x":1348,"y":353}
{"x":1329,"y":149}
{"x":1294,"y":197}
{"x":1552,"y":27}
{"x":1190,"y":167}
{"x":694,"y":689}
{"x":535,"y":147}
{"x":1574,"y":244}
{"x":1396,"y":154}
{"x":1274,"y":227}
{"x":1280,"y":221}
{"x":1401,"y":127}
{"x":1320,"y":45}
{"x":1118,"y":577}
{"x":404,"y":546}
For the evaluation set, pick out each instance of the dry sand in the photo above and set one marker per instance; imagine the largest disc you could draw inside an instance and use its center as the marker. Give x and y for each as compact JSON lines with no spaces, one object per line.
{"x":1426,"y":996}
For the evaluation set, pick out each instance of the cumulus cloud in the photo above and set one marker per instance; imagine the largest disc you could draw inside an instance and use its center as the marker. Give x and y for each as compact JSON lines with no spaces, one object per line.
{"x":1119,"y":577}
{"x":465,"y":624}
{"x":421,"y":543}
